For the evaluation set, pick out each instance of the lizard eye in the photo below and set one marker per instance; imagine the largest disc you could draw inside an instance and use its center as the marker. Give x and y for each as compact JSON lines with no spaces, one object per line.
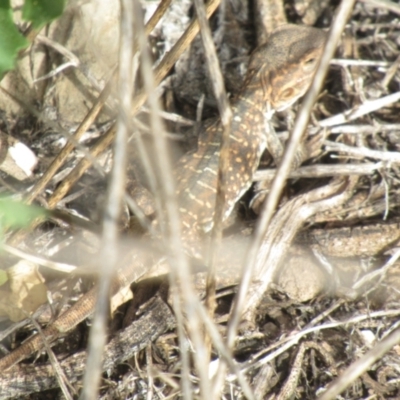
{"x":309,"y":64}
{"x":287,"y":93}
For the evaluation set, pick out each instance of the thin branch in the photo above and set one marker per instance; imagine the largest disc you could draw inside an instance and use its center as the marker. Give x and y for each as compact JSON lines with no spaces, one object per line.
{"x":365,"y":129}
{"x":386,"y":4}
{"x":362,"y":365}
{"x":169,"y":219}
{"x":338,"y":25}
{"x":57,"y":266}
{"x":225,"y":112}
{"x":322,"y":171}
{"x":360,"y":63}
{"x":361,"y":110}
{"x":58,"y":371}
{"x":363,"y":152}
{"x":116,"y":189}
{"x":292,"y":340}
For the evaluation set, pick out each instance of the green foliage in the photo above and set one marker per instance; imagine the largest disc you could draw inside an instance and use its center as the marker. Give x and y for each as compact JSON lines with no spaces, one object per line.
{"x":11,"y":41}
{"x":41,"y":12}
{"x":15,"y":214}
{"x":38,"y":12}
{"x":3,"y":277}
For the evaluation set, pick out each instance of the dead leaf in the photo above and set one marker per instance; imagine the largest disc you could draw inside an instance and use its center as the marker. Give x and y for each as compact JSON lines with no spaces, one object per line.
{"x":27,"y":291}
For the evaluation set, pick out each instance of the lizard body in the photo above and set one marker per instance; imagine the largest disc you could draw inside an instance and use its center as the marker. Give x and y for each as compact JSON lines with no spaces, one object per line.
{"x":279,"y":73}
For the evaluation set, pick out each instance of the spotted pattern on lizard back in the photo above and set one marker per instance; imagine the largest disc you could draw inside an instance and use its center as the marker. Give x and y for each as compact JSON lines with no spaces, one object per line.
{"x":279,"y":72}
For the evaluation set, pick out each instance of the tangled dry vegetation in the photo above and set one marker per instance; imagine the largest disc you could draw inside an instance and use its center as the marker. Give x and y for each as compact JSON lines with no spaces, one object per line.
{"x":332,"y":244}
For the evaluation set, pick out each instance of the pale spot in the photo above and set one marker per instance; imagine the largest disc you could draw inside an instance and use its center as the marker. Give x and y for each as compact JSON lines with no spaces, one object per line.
{"x":194,"y":216}
{"x":237,"y":118}
{"x":204,"y":185}
{"x":194,"y":198}
{"x":198,"y":201}
{"x":233,"y":137}
{"x":208,"y":169}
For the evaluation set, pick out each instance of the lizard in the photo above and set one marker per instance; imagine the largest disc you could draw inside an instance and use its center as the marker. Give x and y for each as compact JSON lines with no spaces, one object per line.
{"x":279,"y":72}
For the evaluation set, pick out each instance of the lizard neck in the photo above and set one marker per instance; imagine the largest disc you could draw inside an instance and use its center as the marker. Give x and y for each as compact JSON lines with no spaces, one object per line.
{"x":249,"y":100}
{"x":248,"y":114}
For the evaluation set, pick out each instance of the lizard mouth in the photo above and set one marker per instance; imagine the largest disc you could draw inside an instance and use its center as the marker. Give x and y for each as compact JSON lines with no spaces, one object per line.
{"x":286,"y":104}
{"x":280,"y":104}
{"x":269,"y":110}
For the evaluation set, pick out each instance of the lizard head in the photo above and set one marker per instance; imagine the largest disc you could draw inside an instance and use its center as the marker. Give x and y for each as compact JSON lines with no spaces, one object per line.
{"x":285,"y":65}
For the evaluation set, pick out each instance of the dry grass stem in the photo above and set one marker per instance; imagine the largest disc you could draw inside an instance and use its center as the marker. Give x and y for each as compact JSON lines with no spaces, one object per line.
{"x":284,"y":169}
{"x":225,"y":112}
{"x":319,"y":171}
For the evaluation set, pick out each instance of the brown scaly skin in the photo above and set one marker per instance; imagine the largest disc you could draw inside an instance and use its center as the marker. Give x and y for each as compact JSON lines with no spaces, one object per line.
{"x":279,"y":73}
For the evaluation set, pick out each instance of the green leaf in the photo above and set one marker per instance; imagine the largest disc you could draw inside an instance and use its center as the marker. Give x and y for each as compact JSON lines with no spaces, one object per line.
{"x":41,"y":12}
{"x":11,"y":41}
{"x":3,"y":277}
{"x":17,"y":214}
